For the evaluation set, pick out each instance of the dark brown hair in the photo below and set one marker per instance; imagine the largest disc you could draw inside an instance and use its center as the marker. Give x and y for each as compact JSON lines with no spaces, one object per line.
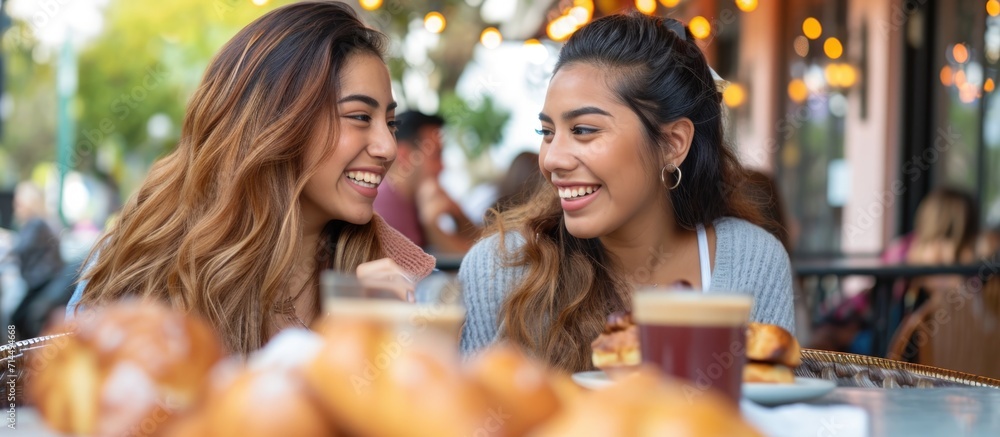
{"x":572,"y":284}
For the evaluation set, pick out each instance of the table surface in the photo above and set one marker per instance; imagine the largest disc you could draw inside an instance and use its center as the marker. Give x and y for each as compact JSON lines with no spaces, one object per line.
{"x":955,"y":411}
{"x":892,"y":412}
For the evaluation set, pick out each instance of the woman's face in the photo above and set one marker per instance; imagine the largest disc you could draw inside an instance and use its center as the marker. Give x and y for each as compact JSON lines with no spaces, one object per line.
{"x":592,"y":153}
{"x":347,"y":181}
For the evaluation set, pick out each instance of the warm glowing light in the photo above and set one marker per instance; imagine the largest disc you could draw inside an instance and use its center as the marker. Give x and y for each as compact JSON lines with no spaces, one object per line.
{"x":700,"y":27}
{"x":580,"y":13}
{"x":811,"y":28}
{"x":734,"y":95}
{"x":967,"y":93}
{"x":370,"y":5}
{"x":989,"y":85}
{"x":259,"y":2}
{"x":848,"y":76}
{"x":960,"y":53}
{"x":536,"y":52}
{"x":797,"y":91}
{"x":833,"y":48}
{"x":670,"y":3}
{"x":562,"y":27}
{"x":491,"y":38}
{"x":801,"y":45}
{"x":832,"y":74}
{"x":434,"y":22}
{"x":746,"y":5}
{"x":960,"y":79}
{"x":647,"y":7}
{"x":947,"y":76}
{"x":993,"y":8}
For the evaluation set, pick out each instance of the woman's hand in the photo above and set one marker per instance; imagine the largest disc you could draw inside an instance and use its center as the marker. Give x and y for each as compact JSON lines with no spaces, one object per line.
{"x":386,"y":275}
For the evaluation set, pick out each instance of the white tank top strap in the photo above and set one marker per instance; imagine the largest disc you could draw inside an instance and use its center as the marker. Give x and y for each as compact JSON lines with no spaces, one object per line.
{"x":705,"y":258}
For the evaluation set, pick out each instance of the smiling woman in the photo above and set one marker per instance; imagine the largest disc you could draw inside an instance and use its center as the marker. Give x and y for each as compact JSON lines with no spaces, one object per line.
{"x":284,"y":145}
{"x":642,"y":190}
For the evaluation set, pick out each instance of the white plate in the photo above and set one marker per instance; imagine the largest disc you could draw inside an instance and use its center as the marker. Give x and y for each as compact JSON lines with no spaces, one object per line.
{"x":594,"y":379}
{"x":766,"y":394}
{"x":803,"y":389}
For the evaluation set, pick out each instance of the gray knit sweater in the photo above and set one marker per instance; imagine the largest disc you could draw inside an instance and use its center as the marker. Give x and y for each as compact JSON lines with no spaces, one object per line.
{"x":748,"y":260}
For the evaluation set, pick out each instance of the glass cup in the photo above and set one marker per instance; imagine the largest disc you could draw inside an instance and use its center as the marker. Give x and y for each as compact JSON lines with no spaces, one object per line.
{"x":695,"y":336}
{"x":438,"y":310}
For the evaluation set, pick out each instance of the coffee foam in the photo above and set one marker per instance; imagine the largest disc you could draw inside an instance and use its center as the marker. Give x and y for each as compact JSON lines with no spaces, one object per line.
{"x":393,"y":310}
{"x":684,"y":308}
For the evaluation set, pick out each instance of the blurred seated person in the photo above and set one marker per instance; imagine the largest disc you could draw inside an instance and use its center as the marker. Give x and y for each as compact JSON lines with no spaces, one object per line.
{"x":523,"y":178}
{"x":945,"y":232}
{"x":36,"y":247}
{"x":412,"y":200}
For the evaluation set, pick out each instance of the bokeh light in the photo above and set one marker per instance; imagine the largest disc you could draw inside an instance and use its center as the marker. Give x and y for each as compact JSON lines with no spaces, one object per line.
{"x":734,"y":95}
{"x":491,"y":38}
{"x":989,"y":85}
{"x":670,"y":3}
{"x":746,"y":5}
{"x":833,"y":48}
{"x":647,"y":7}
{"x":797,"y":90}
{"x":960,"y":53}
{"x":993,"y":8}
{"x":801,"y":46}
{"x":947,"y":76}
{"x":434,"y":22}
{"x":370,"y":5}
{"x":700,"y":27}
{"x":811,"y":28}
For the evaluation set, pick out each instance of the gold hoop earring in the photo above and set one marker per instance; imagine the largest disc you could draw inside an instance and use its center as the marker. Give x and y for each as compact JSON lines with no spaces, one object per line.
{"x":674,"y":169}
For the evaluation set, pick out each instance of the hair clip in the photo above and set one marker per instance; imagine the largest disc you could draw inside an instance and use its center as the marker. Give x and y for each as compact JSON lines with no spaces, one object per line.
{"x":677,"y":27}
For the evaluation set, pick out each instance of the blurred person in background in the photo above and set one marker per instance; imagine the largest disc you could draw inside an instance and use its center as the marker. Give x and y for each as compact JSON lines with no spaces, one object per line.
{"x":522,"y":179}
{"x":412,"y":200}
{"x":283,"y":147}
{"x":36,"y":249}
{"x":945,"y":231}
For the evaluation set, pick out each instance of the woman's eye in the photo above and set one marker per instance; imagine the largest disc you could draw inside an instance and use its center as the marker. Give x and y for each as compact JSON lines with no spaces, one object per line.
{"x":580,"y":130}
{"x":361,"y":117}
{"x":543,"y":132}
{"x":393,"y":126}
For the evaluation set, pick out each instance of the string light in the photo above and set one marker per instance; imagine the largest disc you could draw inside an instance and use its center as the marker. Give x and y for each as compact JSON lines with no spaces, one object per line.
{"x":647,"y":7}
{"x":700,"y":27}
{"x":960,"y":53}
{"x":811,"y":28}
{"x":370,"y":5}
{"x":746,"y":5}
{"x":798,"y":91}
{"x":734,"y":95}
{"x":434,"y":22}
{"x":833,"y":48}
{"x":491,"y":38}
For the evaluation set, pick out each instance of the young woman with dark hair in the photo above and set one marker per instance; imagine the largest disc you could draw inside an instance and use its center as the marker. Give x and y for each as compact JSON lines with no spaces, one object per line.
{"x":642,"y":190}
{"x":282,"y":150}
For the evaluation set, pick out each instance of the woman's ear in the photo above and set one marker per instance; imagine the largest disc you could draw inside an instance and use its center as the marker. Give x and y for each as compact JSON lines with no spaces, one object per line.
{"x":679,"y":134}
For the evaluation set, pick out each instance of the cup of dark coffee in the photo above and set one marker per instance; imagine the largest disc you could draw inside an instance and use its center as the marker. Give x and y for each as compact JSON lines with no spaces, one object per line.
{"x":695,"y":336}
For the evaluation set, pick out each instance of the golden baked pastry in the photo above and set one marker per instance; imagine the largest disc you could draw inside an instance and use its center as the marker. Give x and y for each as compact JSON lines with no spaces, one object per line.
{"x":644,"y":404}
{"x":616,"y":351}
{"x":123,"y":364}
{"x":376,"y":381}
{"x":524,"y":390}
{"x":772,"y":344}
{"x":265,"y":404}
{"x":766,"y":372}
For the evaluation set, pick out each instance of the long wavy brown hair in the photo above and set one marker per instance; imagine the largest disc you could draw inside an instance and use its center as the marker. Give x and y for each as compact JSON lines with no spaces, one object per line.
{"x":572,"y":284}
{"x":216,"y":226}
